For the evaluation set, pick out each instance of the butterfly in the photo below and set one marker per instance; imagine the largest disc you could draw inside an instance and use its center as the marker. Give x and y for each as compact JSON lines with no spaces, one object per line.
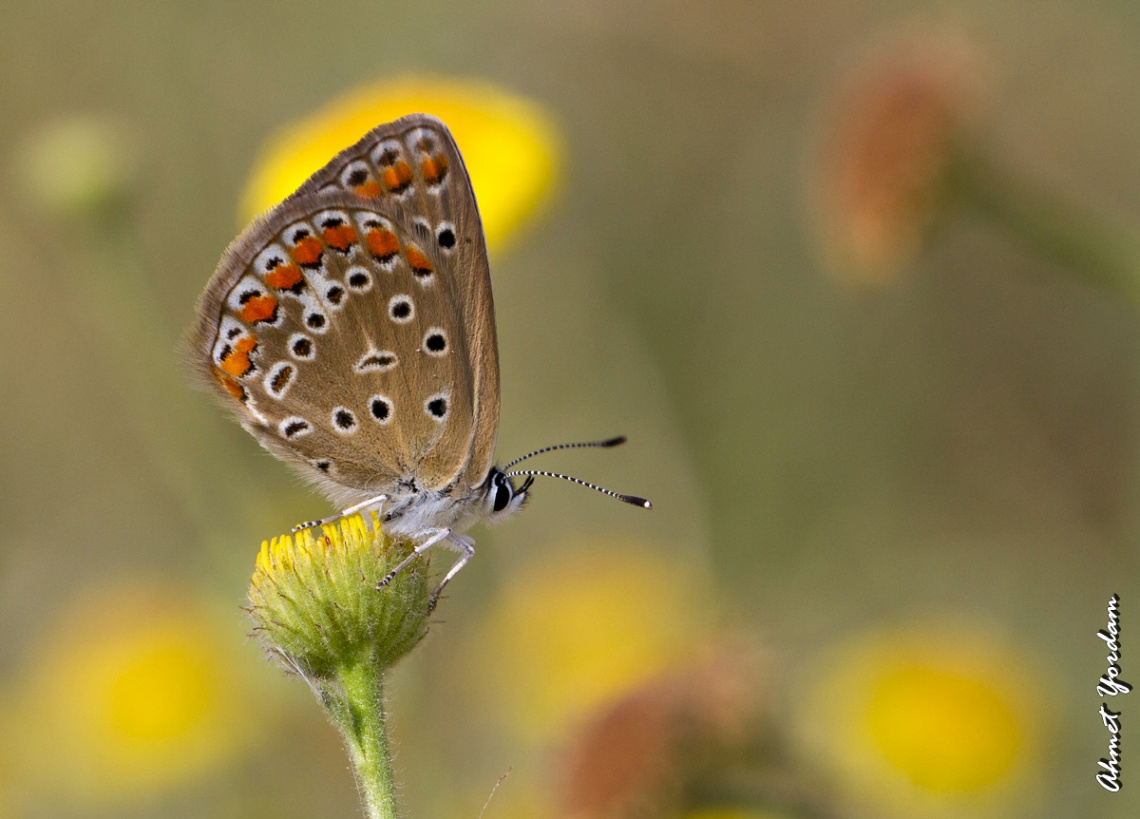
{"x":351,"y":329}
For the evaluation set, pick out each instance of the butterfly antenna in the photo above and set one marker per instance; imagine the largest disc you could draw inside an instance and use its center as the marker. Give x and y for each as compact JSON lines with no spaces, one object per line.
{"x":630,"y":499}
{"x":605,"y":444}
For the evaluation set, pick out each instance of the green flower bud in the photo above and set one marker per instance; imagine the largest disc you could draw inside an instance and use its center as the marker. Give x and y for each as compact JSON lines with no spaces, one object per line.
{"x":317,"y":607}
{"x":320,"y":610}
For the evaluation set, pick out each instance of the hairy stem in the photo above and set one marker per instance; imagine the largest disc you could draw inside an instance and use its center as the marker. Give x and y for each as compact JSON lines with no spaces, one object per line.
{"x":362,"y":723}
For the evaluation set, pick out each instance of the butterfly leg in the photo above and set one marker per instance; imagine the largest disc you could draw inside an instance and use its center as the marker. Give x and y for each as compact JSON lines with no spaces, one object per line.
{"x":376,"y":502}
{"x":466,"y":548}
{"x":432,"y":537}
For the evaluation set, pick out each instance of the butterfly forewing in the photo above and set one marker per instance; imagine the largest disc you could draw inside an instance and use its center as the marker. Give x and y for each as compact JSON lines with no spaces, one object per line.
{"x":415,"y":164}
{"x":353,"y":328}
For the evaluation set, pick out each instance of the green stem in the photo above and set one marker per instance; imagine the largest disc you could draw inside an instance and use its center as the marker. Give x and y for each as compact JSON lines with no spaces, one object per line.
{"x":363,"y":728}
{"x":1087,"y":242}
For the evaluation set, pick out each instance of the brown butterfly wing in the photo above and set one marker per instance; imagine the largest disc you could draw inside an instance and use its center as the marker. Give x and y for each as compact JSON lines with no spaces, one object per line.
{"x":355,"y":336}
{"x":415,"y":163}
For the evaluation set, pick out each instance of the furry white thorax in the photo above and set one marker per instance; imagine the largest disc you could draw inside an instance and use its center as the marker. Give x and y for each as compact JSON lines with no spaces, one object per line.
{"x":414,"y":510}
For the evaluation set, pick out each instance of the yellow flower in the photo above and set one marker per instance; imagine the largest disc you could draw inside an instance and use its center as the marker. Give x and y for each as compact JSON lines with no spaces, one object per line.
{"x":889,"y":146}
{"x":316,"y":606}
{"x":509,"y":145}
{"x":928,"y":720}
{"x":137,"y":689}
{"x":590,"y":622}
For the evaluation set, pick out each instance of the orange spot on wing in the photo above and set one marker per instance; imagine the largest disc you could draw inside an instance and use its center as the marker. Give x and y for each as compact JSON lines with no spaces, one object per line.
{"x":231,"y":386}
{"x":342,"y":237}
{"x":284,"y":277}
{"x":236,"y":362}
{"x":397,"y":177}
{"x":434,"y":169}
{"x":419,"y":262}
{"x":369,"y":190}
{"x":382,"y":243}
{"x":308,"y":251}
{"x":259,"y":308}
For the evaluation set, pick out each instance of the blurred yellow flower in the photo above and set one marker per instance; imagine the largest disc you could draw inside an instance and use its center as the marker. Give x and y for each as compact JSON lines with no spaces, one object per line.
{"x":509,"y":145}
{"x":590,"y":622}
{"x":886,"y":155}
{"x":930,"y":720}
{"x":137,"y":689}
{"x":733,"y":813}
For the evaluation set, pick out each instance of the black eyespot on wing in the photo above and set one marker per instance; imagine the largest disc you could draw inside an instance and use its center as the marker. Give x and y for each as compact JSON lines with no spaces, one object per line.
{"x":376,"y":361}
{"x":381,"y":408}
{"x":344,"y":419}
{"x":335,"y":294}
{"x":446,"y":238}
{"x":281,"y":378}
{"x":437,"y":407}
{"x":293,"y":427}
{"x":315,"y":320}
{"x":302,"y":347}
{"x":400,"y":309}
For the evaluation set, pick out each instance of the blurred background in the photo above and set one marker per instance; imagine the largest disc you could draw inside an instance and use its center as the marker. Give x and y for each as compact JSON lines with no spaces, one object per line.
{"x":858,"y":280}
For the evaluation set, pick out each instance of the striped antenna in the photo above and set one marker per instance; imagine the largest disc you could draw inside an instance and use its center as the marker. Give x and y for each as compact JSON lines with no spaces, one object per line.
{"x":605,"y":444}
{"x":630,"y":499}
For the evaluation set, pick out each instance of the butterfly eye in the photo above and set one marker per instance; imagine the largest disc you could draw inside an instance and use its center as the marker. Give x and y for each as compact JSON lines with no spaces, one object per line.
{"x":503,"y":495}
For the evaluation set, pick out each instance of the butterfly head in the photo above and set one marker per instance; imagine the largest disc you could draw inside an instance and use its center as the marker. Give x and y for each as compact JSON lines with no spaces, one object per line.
{"x":502,"y":497}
